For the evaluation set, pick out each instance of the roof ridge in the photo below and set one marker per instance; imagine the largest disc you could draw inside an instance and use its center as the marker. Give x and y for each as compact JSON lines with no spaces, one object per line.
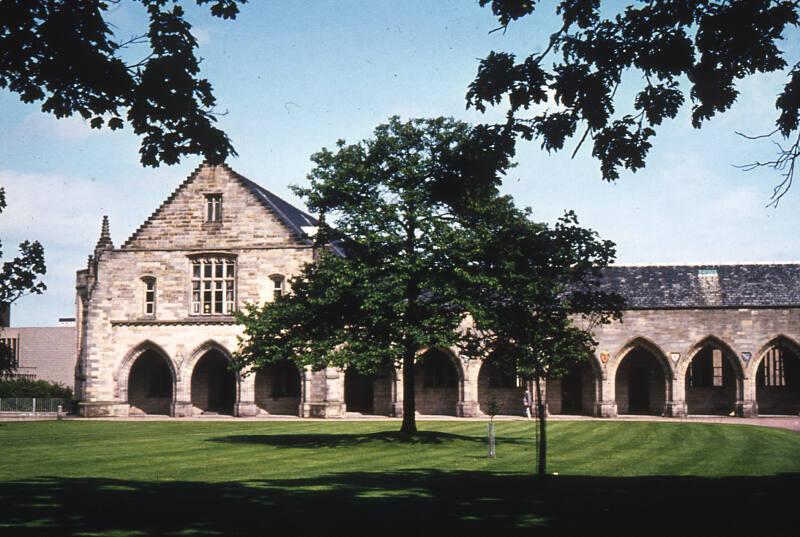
{"x":164,"y":203}
{"x":269,"y":204}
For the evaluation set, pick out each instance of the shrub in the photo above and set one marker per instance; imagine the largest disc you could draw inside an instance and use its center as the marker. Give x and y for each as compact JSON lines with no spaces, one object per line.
{"x":11,"y":387}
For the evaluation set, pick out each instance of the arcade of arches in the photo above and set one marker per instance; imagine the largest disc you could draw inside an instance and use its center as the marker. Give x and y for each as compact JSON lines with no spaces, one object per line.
{"x":640,"y":379}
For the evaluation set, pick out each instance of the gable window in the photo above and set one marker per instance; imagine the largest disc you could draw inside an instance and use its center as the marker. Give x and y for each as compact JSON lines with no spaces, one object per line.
{"x":213,"y":207}
{"x":278,"y":286}
{"x":213,"y":290}
{"x":149,"y":296}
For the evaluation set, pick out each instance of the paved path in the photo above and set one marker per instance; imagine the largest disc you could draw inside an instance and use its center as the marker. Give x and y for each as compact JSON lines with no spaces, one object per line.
{"x":791,"y":423}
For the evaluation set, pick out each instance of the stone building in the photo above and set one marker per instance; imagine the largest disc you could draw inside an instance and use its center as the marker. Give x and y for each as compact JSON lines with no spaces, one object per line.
{"x":156,"y":330}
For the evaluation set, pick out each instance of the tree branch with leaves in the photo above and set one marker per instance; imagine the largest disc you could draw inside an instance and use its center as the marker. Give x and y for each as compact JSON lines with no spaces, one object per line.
{"x":65,"y":55}
{"x":714,"y":45}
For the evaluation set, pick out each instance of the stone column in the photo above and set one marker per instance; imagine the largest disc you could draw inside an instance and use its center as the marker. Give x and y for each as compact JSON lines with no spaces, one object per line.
{"x":543,"y":387}
{"x":246,"y":397}
{"x":468,"y":406}
{"x":324,"y":394}
{"x":675,"y":405}
{"x":606,"y":404}
{"x":182,"y":404}
{"x":397,"y":393}
{"x":747,"y":407}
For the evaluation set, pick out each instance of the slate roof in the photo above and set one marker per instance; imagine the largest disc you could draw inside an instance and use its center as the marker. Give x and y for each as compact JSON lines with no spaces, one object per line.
{"x":290,"y":215}
{"x":706,"y":286}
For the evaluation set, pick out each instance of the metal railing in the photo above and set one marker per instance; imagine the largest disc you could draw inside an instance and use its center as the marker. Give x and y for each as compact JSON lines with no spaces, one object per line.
{"x":32,"y":405}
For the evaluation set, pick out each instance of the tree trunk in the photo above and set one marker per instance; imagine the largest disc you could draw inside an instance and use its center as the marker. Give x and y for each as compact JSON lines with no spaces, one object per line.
{"x":541,"y":466}
{"x":409,"y":426}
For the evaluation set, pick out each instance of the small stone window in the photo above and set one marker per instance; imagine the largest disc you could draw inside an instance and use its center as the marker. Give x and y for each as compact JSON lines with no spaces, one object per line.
{"x":213,"y":207}
{"x":149,"y":285}
{"x":213,"y":286}
{"x":278,"y":286}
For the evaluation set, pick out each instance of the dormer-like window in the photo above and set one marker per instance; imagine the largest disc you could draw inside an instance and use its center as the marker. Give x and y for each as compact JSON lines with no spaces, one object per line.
{"x":213,"y":286}
{"x":213,"y":207}
{"x":278,"y":286}
{"x":149,"y":285}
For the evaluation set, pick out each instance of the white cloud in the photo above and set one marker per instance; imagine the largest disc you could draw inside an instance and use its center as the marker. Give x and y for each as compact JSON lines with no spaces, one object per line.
{"x":54,"y":208}
{"x":70,"y":129}
{"x":202,"y":34}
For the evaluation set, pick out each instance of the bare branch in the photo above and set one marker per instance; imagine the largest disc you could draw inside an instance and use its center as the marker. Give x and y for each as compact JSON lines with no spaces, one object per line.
{"x":784,"y":163}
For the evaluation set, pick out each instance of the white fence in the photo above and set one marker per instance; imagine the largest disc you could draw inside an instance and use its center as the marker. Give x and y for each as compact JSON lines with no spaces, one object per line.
{"x":32,"y":405}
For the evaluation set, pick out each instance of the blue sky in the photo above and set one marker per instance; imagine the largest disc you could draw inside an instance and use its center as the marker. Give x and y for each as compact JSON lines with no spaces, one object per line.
{"x":294,"y":77}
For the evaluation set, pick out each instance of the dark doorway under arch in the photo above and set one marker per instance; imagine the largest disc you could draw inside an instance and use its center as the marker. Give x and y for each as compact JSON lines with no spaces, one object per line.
{"x":710,"y":383}
{"x":778,"y":381}
{"x":213,"y":384}
{"x":278,"y":388}
{"x":150,"y":385}
{"x":359,"y":391}
{"x":574,"y":392}
{"x":640,"y":384}
{"x":436,"y":384}
{"x":498,"y":385}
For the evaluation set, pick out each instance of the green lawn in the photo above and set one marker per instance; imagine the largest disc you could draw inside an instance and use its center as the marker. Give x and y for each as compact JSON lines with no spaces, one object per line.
{"x":328,"y":478}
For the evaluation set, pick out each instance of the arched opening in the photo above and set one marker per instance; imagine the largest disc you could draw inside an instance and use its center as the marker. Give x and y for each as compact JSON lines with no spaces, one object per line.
{"x":498,"y":386}
{"x":213,"y":384}
{"x":778,"y":380}
{"x":359,"y":391}
{"x":150,"y":385}
{"x":640,"y":383}
{"x":278,"y":388}
{"x":436,"y":384}
{"x":574,"y":392}
{"x":369,"y":393}
{"x":711,"y":382}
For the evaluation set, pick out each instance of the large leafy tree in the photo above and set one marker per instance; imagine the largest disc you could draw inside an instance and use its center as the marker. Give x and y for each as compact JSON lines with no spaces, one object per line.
{"x":652,"y":47}
{"x":19,"y":276}
{"x":535,"y":296}
{"x":64,"y":54}
{"x":388,"y":206}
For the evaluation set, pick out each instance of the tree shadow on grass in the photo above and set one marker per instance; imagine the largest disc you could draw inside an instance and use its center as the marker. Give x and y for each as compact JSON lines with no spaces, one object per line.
{"x":327,"y":440}
{"x":423,"y":502}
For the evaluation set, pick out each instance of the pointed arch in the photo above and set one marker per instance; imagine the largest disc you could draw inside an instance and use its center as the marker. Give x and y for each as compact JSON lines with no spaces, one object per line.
{"x":713,"y":341}
{"x":775,"y":341}
{"x":775,"y":377}
{"x":640,"y":386}
{"x":646,"y":344}
{"x":213,"y":386}
{"x":436,"y":393}
{"x":452,"y":355}
{"x":201,"y":350}
{"x":123,"y":371}
{"x":505,"y":390}
{"x":711,"y":386}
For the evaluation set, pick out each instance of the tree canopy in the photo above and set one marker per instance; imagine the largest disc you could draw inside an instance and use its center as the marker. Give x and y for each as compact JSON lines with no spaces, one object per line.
{"x":413,"y":249}
{"x":711,"y":44}
{"x":535,"y":294}
{"x":392,"y":294}
{"x":66,"y":55}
